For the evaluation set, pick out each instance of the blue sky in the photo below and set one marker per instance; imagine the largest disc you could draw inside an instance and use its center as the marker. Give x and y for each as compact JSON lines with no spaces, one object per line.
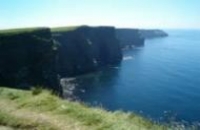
{"x":120,"y":13}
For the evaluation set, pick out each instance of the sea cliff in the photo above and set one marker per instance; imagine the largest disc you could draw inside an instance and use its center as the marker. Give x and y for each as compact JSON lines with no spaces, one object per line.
{"x":41,"y":56}
{"x":84,"y":49}
{"x":130,"y":37}
{"x":152,"y":33}
{"x":27,"y":58}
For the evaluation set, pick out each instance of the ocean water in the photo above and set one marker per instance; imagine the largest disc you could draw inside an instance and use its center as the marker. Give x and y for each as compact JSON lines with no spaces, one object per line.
{"x":159,"y":80}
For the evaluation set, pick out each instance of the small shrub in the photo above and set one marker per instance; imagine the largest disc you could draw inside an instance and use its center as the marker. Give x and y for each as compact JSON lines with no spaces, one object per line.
{"x":36,"y":90}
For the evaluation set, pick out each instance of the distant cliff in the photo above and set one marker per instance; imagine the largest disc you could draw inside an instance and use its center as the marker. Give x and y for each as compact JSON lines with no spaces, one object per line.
{"x":129,"y":37}
{"x":84,"y":49}
{"x":27,"y":58}
{"x":152,"y":33}
{"x":136,"y":37}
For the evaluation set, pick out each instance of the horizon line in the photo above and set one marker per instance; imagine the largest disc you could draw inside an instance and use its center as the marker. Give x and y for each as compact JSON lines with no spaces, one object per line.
{"x":117,"y":27}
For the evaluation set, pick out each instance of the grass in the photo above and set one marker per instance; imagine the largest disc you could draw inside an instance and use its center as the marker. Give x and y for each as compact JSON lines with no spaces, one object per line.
{"x":42,"y":110}
{"x":32,"y":29}
{"x":64,"y":29}
{"x":20,"y":30}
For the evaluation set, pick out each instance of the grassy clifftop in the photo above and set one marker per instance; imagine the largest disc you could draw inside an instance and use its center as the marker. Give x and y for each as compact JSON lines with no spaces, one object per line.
{"x":41,"y":110}
{"x":21,"y":30}
{"x":64,"y":29}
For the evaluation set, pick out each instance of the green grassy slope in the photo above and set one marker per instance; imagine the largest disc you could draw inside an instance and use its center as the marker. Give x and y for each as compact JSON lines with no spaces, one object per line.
{"x":20,"y":30}
{"x":42,"y":110}
{"x":64,"y":29}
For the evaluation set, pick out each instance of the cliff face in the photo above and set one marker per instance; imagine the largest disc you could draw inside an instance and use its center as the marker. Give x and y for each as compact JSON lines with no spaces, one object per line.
{"x":27,"y":58}
{"x":152,"y":33}
{"x":30,"y":57}
{"x":85,"y":49}
{"x":129,"y":37}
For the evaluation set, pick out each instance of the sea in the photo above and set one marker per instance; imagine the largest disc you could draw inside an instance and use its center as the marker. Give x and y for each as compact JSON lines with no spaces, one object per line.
{"x":160,"y":80}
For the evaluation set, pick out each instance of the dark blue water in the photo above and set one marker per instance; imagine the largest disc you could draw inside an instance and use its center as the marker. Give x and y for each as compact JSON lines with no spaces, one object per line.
{"x":161,"y":77}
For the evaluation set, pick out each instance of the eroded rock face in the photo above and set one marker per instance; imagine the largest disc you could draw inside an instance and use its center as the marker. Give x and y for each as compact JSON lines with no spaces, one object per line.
{"x":27,"y":58}
{"x":129,"y":37}
{"x":86,"y":48}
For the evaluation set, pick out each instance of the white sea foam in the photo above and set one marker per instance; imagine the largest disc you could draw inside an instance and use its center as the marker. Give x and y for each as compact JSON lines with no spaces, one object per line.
{"x":127,"y":58}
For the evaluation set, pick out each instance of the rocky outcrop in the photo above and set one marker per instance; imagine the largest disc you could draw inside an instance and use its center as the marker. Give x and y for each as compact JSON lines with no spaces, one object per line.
{"x":129,"y":37}
{"x":152,"y":33}
{"x":85,"y":49}
{"x":27,"y":58}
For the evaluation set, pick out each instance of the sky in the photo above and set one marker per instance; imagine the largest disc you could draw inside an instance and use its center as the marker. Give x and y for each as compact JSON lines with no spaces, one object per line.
{"x":184,"y":14}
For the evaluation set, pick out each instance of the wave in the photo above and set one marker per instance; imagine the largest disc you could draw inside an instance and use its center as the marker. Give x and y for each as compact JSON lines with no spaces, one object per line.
{"x":127,"y":58}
